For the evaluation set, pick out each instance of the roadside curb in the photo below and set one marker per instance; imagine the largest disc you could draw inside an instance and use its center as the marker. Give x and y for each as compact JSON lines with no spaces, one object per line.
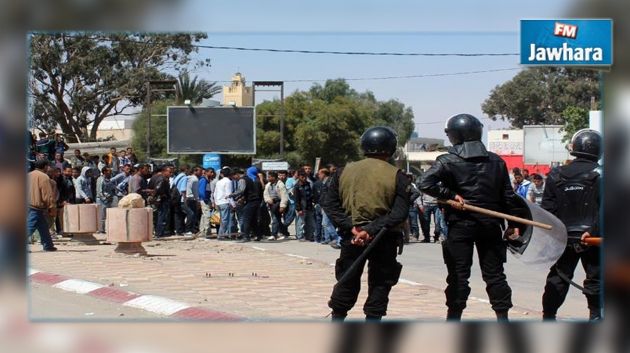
{"x":155,"y":304}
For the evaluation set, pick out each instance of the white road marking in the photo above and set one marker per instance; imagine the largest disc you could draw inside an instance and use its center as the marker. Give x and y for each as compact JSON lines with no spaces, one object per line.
{"x":406,"y":281}
{"x":480,"y":299}
{"x":156,"y":304}
{"x":78,"y":286}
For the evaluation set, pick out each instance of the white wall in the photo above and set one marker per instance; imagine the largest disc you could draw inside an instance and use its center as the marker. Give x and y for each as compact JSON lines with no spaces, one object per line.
{"x":505,"y":142}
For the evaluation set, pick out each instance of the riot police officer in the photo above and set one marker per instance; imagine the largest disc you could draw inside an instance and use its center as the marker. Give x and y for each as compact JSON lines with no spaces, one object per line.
{"x":468,"y":173}
{"x":361,"y":199}
{"x":572,"y":194}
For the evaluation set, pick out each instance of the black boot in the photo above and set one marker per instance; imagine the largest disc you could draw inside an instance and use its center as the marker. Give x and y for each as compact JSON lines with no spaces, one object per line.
{"x":453,"y":315}
{"x":502,"y":315}
{"x":369,"y":318}
{"x":338,"y":317}
{"x":595,"y":315}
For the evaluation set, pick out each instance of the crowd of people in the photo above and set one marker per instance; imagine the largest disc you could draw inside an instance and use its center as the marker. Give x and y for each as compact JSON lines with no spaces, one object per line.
{"x":528,"y":186}
{"x":240,"y":204}
{"x":237,"y":204}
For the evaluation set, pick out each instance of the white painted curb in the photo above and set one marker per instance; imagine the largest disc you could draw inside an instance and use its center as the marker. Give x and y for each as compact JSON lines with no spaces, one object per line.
{"x":156,"y":304}
{"x":78,"y":286}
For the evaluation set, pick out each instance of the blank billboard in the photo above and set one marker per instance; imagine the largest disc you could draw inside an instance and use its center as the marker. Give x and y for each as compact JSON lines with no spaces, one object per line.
{"x":200,"y":130}
{"x":543,"y":145}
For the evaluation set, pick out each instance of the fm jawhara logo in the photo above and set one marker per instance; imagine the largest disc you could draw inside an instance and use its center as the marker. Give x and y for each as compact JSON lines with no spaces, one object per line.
{"x":567,"y":42}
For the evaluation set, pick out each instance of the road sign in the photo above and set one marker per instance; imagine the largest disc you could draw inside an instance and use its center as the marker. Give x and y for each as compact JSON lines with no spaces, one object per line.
{"x":212,"y":160}
{"x":275,"y":166}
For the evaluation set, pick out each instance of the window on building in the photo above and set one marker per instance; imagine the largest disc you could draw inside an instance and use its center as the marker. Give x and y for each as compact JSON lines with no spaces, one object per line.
{"x":505,"y":137}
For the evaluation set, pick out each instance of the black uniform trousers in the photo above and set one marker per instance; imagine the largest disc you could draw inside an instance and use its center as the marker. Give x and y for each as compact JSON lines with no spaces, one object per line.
{"x":458,"y":257}
{"x":383,"y":274}
{"x":250,"y":220}
{"x":556,"y":288}
{"x":264,"y":220}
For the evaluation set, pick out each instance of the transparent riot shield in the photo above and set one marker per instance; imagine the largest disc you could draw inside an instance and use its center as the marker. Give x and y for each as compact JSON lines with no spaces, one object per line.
{"x":538,"y":247}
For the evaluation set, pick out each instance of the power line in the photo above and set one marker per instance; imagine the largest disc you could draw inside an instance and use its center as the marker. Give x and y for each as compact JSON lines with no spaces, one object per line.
{"x":411,"y":76}
{"x":332,"y":52}
{"x":304,"y":51}
{"x":443,"y":121}
{"x":396,"y":77}
{"x":346,"y":53}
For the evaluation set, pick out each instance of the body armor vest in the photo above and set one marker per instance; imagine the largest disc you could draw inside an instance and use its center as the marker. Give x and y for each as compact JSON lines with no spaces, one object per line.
{"x":578,"y":200}
{"x":367,"y":189}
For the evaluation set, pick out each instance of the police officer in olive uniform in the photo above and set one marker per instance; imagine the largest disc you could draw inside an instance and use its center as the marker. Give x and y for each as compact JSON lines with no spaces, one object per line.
{"x":363,"y":198}
{"x":572,"y":194}
{"x":471,"y":174}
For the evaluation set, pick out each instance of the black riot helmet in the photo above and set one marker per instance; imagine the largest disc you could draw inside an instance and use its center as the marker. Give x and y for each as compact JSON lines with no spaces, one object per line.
{"x":587,"y":143}
{"x":461,"y":128}
{"x":379,"y":140}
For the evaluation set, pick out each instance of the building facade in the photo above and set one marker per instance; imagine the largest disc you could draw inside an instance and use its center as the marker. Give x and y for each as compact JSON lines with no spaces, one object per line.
{"x":535,"y":148}
{"x":238,"y":93}
{"x":115,"y":129}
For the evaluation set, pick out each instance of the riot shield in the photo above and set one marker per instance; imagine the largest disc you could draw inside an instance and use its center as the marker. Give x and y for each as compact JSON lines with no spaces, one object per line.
{"x":538,"y":247}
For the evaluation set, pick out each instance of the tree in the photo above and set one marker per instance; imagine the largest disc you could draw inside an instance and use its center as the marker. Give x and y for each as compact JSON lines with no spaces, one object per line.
{"x":77,"y":79}
{"x":193,"y":90}
{"x":332,"y":131}
{"x":394,"y":114}
{"x":575,"y":120}
{"x":158,"y":130}
{"x":537,"y":96}
{"x":327,"y":121}
{"x":331,"y":90}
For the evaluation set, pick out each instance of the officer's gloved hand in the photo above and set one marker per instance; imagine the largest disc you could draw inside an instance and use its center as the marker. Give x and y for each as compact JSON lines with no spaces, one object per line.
{"x":513,"y":237}
{"x":512,"y":234}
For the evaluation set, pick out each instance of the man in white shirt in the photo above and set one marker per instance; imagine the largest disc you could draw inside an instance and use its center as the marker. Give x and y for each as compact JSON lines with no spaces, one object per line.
{"x":276,"y":198}
{"x":180,"y":212}
{"x":224,"y":203}
{"x":536,"y":189}
{"x":192,"y":201}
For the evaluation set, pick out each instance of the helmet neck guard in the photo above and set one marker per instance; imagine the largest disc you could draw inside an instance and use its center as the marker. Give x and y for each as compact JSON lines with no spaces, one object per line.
{"x":469,"y":149}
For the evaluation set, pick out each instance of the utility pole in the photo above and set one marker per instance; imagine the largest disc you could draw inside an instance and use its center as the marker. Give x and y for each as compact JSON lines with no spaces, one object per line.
{"x":282,"y":113}
{"x":171,"y":86}
{"x":148,"y":99}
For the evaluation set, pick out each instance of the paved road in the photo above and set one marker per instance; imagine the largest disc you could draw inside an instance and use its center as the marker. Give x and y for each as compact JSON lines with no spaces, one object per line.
{"x":423,"y":263}
{"x":289,"y":283}
{"x":48,"y":303}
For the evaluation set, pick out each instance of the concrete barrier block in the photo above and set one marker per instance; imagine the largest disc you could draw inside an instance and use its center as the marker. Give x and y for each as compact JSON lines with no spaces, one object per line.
{"x":129,"y":224}
{"x":81,"y":218}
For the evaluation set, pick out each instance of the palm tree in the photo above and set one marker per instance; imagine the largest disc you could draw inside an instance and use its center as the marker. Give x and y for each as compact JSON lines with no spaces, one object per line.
{"x":195,"y":90}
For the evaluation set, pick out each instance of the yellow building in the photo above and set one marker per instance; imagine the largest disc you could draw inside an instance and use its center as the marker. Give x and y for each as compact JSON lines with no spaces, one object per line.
{"x":237,"y":93}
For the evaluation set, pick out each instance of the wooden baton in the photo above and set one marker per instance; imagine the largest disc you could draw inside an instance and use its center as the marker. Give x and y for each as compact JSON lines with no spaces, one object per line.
{"x":487,"y":212}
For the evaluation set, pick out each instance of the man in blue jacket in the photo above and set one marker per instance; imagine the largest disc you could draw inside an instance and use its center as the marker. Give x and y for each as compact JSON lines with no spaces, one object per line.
{"x":205,"y":201}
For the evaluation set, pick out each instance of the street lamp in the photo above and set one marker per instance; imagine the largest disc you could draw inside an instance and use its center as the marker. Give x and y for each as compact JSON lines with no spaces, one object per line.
{"x":167,"y":86}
